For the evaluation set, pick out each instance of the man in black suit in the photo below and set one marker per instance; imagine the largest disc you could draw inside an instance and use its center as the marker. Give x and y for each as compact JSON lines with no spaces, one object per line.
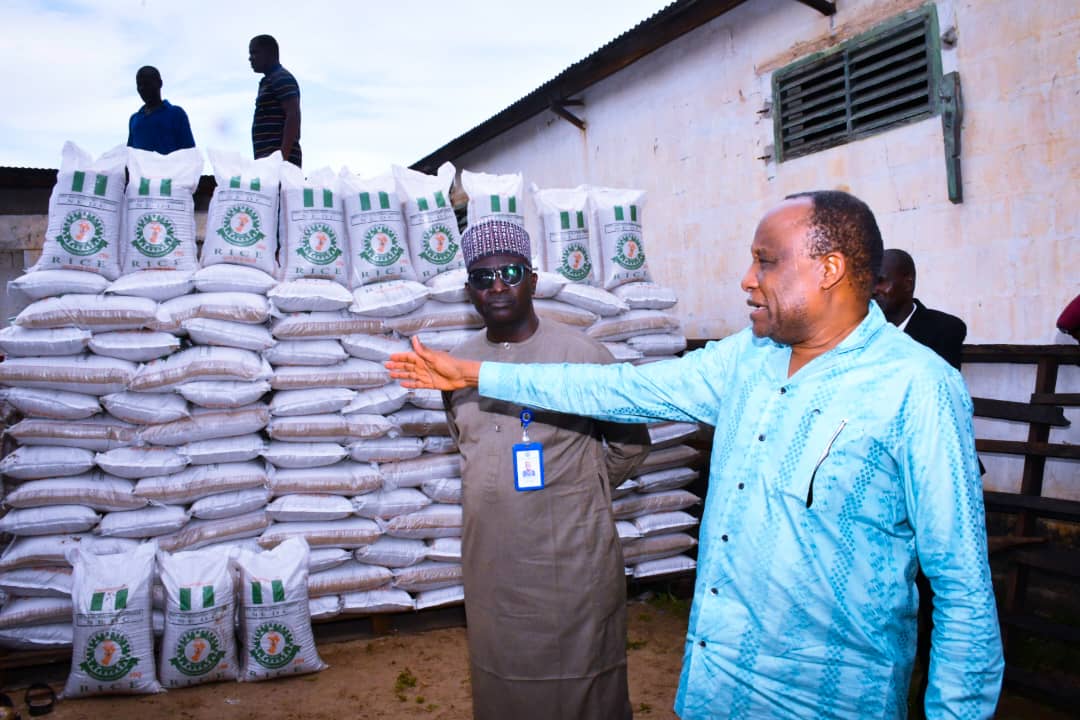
{"x":895,"y":294}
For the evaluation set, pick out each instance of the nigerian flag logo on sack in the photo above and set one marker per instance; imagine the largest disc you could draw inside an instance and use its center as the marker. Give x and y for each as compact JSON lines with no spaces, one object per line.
{"x":197,"y":652}
{"x":241,"y":226}
{"x":381,"y":246}
{"x":438,"y":246}
{"x":628,"y":252}
{"x":273,"y":646}
{"x":155,"y":235}
{"x":575,"y":264}
{"x":319,"y":244}
{"x":108,"y":652}
{"x":83,"y":233}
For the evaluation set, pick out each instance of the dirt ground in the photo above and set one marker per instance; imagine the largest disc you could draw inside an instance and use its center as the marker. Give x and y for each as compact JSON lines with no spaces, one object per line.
{"x":413,"y":674}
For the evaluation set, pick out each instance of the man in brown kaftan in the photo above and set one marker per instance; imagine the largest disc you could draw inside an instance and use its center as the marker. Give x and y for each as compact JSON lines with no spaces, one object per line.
{"x":545,"y":591}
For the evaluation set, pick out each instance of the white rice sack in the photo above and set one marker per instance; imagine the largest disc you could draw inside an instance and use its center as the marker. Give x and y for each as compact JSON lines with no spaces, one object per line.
{"x":386,"y":504}
{"x":671,"y":457}
{"x":623,"y":352}
{"x":388,"y":299}
{"x":324,"y":608}
{"x":97,"y":491}
{"x":229,"y":504}
{"x":633,"y":323}
{"x":198,"y":645}
{"x":593,"y":299}
{"x":349,"y":577}
{"x":145,"y":408}
{"x":135,"y":345}
{"x":548,"y":284}
{"x":434,"y":241}
{"x":665,"y":522}
{"x":51,"y":636}
{"x":659,"y":344}
{"x":671,"y":479}
{"x":381,"y":600}
{"x":15,"y":340}
{"x":100,"y":432}
{"x":200,"y":363}
{"x":376,"y":228}
{"x":446,"y":549}
{"x":309,"y":508}
{"x":242,"y":307}
{"x":44,"y":550}
{"x":568,"y":250}
{"x":624,"y":488}
{"x":324,"y":325}
{"x":234,"y":278}
{"x":427,"y":575}
{"x":440,"y":444}
{"x":85,"y":213}
{"x":449,"y":287}
{"x":159,"y":218}
{"x":198,"y":481}
{"x":314,"y":243}
{"x":320,"y":559}
{"x":308,"y":294}
{"x":416,"y":422}
{"x":276,"y":637}
{"x":351,"y":373}
{"x":303,"y":454}
{"x":314,"y":401}
{"x":43,"y":581}
{"x":626,"y":531}
{"x":206,"y":424}
{"x":564,"y":313}
{"x":431,"y":522}
{"x":113,"y":644}
{"x":223,"y":450}
{"x":306,"y":352}
{"x":638,"y":504}
{"x":346,"y":478}
{"x":443,"y":597}
{"x":380,"y":401}
{"x":392,"y":552}
{"x":433,"y":316}
{"x":201,"y":533}
{"x":51,"y":520}
{"x":26,"y":612}
{"x":204,"y":331}
{"x":646,"y":296}
{"x":676,"y":565}
{"x":39,"y":284}
{"x":241,"y":222}
{"x":386,"y":450}
{"x":51,"y":403}
{"x":159,"y":285}
{"x":347,"y":533}
{"x":617,"y":214}
{"x":445,"y":340}
{"x":443,"y":490}
{"x":426,"y":399}
{"x":99,"y":313}
{"x":411,"y":473}
{"x":221,"y":394}
{"x":493,"y":197}
{"x":665,"y":434}
{"x":44,"y":461}
{"x":142,"y":461}
{"x":143,"y":523}
{"x":328,"y":427}
{"x":656,"y":547}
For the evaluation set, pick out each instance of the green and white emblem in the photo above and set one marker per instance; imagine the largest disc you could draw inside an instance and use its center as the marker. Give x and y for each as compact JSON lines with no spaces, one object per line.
{"x":83,"y":233}
{"x":197,"y":652}
{"x":274,"y":647}
{"x":108,"y":656}
{"x":319,"y":244}
{"x":575,"y":263}
{"x":155,"y":235}
{"x":381,"y":246}
{"x":241,"y":226}
{"x":629,"y":253}
{"x":438,"y":246}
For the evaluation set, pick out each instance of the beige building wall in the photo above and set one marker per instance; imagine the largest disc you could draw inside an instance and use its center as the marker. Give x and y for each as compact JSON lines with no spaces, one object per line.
{"x":685,"y":124}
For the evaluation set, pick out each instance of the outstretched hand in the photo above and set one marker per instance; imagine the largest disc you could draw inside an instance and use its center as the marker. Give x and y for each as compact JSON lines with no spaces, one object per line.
{"x":432,"y":369}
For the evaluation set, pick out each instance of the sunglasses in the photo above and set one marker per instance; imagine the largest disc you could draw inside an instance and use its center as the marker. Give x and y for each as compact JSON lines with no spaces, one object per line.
{"x":511,"y":275}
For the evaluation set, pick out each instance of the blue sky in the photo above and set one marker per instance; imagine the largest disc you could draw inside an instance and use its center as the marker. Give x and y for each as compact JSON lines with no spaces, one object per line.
{"x":380,"y":82}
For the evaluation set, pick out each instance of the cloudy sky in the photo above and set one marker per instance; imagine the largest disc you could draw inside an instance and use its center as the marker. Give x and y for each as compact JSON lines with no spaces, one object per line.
{"x":380,"y":82}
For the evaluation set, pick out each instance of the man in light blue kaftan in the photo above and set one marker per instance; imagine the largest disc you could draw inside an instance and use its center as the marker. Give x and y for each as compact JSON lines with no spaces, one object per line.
{"x":843,"y":457}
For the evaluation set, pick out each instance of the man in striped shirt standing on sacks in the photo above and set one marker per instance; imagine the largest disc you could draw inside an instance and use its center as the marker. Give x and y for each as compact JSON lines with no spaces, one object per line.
{"x":276,"y":125}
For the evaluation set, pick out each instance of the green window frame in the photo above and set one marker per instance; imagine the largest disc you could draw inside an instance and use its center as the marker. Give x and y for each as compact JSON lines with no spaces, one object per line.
{"x":881,"y":79}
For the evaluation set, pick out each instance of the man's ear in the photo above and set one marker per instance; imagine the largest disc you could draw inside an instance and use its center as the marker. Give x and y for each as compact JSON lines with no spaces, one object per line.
{"x":833,"y":269}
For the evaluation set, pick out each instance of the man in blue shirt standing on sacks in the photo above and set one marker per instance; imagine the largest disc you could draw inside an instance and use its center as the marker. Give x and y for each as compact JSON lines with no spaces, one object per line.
{"x":276,"y":124}
{"x":158,"y":125}
{"x":843,"y":458}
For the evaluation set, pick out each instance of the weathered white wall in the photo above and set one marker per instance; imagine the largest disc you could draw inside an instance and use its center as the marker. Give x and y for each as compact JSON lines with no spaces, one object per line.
{"x":683,"y":124}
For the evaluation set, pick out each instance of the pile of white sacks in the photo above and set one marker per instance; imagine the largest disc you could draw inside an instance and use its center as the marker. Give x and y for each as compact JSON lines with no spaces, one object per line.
{"x":233,"y":398}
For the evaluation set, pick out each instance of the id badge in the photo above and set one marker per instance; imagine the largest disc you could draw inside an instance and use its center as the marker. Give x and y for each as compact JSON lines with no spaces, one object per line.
{"x":528,"y":466}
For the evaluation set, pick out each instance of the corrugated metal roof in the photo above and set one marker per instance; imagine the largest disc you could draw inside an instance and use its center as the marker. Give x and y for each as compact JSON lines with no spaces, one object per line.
{"x":673,"y":21}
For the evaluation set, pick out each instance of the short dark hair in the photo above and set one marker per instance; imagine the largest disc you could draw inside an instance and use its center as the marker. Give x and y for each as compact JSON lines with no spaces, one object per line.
{"x":267,"y":42}
{"x":841,"y":222}
{"x":149,"y":70}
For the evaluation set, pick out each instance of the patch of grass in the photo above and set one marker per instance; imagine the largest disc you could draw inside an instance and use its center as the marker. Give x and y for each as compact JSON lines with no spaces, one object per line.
{"x":419,"y":699}
{"x":644,"y":708}
{"x":669,"y":603}
{"x":405,"y":680}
